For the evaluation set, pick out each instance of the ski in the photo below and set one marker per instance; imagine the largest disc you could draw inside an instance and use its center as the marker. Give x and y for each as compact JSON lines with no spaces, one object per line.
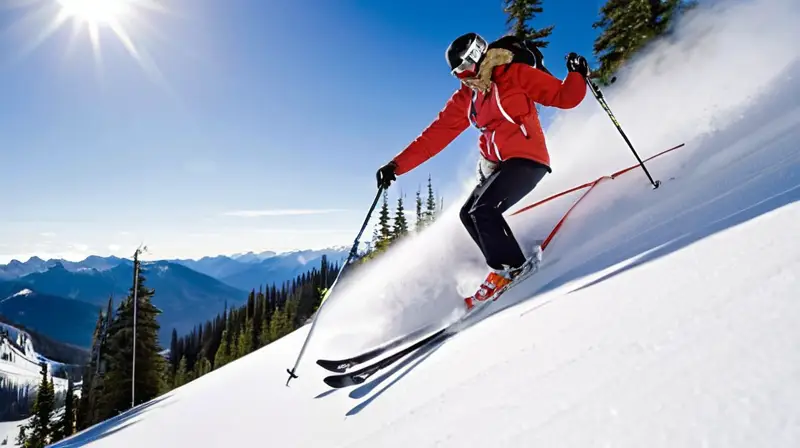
{"x":358,"y":376}
{"x":341,"y":365}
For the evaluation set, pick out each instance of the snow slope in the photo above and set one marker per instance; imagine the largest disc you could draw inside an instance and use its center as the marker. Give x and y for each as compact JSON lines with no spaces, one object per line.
{"x":9,"y":431}
{"x":661,"y":318}
{"x":19,"y":366}
{"x":19,"y":362}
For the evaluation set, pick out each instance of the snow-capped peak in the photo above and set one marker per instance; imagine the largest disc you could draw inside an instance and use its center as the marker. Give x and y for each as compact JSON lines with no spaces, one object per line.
{"x":24,"y":292}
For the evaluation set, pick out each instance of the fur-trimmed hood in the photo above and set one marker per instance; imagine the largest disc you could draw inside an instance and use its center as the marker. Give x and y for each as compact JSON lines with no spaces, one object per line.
{"x":493,"y":58}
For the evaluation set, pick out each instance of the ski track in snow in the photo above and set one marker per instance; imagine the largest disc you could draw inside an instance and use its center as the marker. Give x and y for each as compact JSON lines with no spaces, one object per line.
{"x":660,"y":318}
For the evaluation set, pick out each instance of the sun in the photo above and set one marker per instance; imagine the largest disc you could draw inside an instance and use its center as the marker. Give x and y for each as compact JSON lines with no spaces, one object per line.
{"x":99,"y":20}
{"x":96,"y":12}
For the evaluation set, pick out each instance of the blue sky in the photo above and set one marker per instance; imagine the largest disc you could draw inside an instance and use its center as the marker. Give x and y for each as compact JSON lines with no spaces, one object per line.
{"x":219,"y":111}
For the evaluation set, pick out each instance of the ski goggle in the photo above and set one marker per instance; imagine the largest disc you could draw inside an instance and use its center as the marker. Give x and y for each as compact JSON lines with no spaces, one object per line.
{"x":470,"y":57}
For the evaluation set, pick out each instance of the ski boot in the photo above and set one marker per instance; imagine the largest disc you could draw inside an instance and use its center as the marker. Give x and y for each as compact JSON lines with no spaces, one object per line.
{"x":499,"y":280}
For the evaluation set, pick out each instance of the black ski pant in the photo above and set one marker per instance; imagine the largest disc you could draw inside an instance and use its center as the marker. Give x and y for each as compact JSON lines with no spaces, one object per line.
{"x":482,"y":213}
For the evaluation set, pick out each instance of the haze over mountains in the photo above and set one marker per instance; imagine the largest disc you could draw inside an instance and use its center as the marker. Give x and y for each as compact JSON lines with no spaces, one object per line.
{"x":62,"y":298}
{"x":249,"y":270}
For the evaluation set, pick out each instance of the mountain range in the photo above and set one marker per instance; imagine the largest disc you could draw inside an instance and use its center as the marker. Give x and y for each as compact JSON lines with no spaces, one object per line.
{"x":251,"y":270}
{"x":15,"y":268}
{"x":62,"y":298}
{"x":243,"y":271}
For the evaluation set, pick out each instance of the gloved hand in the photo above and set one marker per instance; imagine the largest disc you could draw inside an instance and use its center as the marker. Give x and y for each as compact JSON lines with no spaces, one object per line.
{"x":385,"y":175}
{"x":577,"y":63}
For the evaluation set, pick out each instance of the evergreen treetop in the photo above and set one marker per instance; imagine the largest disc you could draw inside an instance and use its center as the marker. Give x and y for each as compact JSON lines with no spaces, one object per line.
{"x":420,"y":217}
{"x":384,"y":227}
{"x":400,"y":228}
{"x":627,"y":27}
{"x":520,"y":12}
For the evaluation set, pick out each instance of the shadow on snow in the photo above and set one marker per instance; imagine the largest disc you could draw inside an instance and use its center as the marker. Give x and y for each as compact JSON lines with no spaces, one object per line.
{"x":111,"y":426}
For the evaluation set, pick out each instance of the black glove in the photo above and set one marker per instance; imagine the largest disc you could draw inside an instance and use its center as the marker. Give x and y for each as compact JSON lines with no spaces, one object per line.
{"x":577,"y":63}
{"x":385,"y":175}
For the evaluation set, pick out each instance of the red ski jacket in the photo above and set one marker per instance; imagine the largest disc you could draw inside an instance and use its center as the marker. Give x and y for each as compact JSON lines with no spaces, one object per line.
{"x":505,"y":115}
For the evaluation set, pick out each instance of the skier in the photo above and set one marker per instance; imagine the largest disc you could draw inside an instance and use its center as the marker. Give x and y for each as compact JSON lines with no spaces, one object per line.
{"x":497,"y":94}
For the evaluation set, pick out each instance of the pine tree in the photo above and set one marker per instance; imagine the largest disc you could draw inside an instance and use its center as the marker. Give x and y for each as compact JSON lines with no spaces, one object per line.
{"x":430,"y":205}
{"x":281,"y":323}
{"x":174,"y":350}
{"x":95,"y":400}
{"x":90,"y":377}
{"x":263,"y":337}
{"x":520,"y":12}
{"x":627,"y":27}
{"x":149,"y":363}
{"x":384,"y":227}
{"x":255,"y":322}
{"x":166,"y":381}
{"x":400,"y":228}
{"x":419,"y":224}
{"x":180,"y":373}
{"x":201,"y":367}
{"x":39,"y":431}
{"x":244,"y":341}
{"x":66,"y":425}
{"x":222,"y":356}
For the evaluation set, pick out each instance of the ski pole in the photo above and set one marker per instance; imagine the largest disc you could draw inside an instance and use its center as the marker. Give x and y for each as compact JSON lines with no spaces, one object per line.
{"x":353,"y":252}
{"x":600,"y":99}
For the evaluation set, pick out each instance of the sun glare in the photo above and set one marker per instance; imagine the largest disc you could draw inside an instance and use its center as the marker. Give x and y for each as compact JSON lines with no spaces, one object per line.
{"x":98,"y":20}
{"x":96,"y":12}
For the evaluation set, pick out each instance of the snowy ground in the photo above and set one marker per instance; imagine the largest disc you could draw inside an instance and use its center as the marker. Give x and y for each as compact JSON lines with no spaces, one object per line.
{"x":22,"y":366}
{"x":9,"y":432}
{"x":661,"y":318}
